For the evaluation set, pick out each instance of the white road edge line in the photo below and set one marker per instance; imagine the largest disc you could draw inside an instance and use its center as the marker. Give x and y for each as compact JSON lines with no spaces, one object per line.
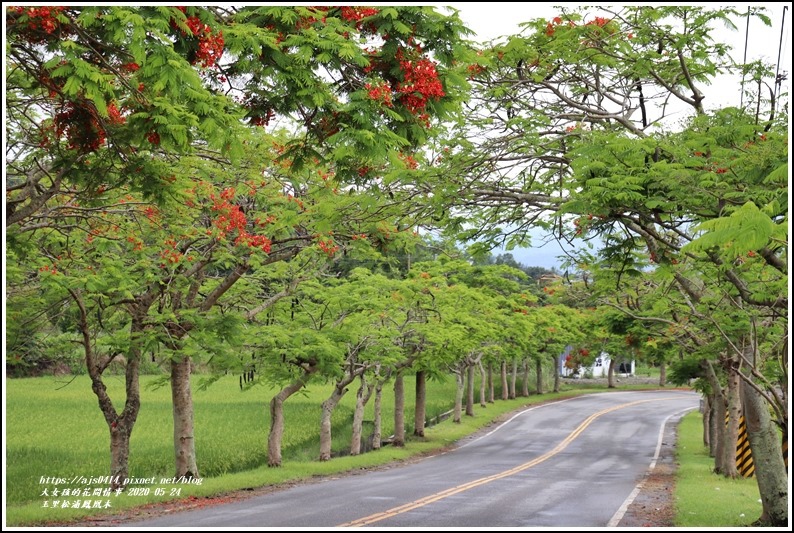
{"x":618,"y":516}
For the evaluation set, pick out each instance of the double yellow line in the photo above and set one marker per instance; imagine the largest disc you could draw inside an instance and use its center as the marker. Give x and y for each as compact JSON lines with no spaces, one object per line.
{"x":377,"y":517}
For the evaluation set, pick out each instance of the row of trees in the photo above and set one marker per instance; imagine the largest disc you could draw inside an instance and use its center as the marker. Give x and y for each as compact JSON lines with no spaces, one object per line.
{"x":177,"y":176}
{"x":149,"y":187}
{"x":573,"y":131}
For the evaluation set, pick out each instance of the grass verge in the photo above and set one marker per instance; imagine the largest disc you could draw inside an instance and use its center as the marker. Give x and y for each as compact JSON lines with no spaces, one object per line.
{"x":705,"y":499}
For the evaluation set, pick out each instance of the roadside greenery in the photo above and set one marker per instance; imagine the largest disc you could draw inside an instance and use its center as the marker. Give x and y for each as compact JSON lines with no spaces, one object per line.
{"x":730,"y":502}
{"x":301,"y":197}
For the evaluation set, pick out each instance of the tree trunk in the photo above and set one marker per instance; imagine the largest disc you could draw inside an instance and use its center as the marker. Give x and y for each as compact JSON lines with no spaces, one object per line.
{"x":706,"y":421}
{"x":505,"y":392}
{"x":421,"y":403}
{"x":525,"y":381}
{"x":734,"y":411}
{"x":119,"y":456}
{"x":714,"y":427}
{"x":470,"y":390}
{"x":377,"y":421}
{"x":770,"y":469}
{"x":399,"y":411}
{"x":119,"y":426}
{"x":327,"y":409}
{"x":557,"y":373}
{"x":363,"y":395}
{"x":539,"y":376}
{"x":662,"y":374}
{"x":277,"y":419}
{"x":611,"y":374}
{"x":482,"y":384}
{"x":490,"y":383}
{"x":513,"y":379}
{"x":458,"y":395}
{"x":724,"y":452}
{"x":182,"y":402}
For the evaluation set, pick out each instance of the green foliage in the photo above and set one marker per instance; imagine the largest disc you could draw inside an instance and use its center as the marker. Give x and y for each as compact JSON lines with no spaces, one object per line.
{"x":746,"y":229}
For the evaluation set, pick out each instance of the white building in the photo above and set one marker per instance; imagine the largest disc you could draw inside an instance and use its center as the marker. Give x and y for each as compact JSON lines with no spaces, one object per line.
{"x":599,"y":368}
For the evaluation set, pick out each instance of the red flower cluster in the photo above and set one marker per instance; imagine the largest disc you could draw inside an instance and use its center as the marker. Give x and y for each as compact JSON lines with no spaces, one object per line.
{"x":114,"y":115}
{"x":475,"y":70}
{"x":36,"y":24}
{"x":380,"y":92}
{"x":327,"y":246}
{"x":210,"y":47}
{"x":231,"y":217}
{"x":410,"y":161}
{"x":420,"y":83}
{"x":262,"y":120}
{"x":170,"y":254}
{"x":551,"y":27}
{"x":82,"y":128}
{"x":356,"y":13}
{"x":599,"y":21}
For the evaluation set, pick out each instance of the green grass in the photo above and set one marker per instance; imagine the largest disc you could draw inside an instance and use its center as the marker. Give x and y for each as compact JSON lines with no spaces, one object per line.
{"x":702,"y":498}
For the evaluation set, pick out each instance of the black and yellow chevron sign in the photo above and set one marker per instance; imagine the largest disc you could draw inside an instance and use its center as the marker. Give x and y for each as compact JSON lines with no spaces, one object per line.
{"x":744,"y":457}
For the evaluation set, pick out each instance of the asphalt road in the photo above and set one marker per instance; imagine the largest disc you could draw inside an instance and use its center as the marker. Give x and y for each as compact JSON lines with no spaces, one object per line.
{"x":572,"y":463}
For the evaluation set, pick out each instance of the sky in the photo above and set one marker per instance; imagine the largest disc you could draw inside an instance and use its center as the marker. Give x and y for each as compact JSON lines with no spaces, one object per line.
{"x":493,"y":20}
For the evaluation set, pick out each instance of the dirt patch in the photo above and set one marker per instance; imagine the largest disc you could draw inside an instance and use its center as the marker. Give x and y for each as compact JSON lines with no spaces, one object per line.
{"x":654,"y":506}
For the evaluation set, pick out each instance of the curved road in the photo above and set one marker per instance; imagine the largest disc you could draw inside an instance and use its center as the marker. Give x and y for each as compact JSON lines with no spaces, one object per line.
{"x":574,"y":462}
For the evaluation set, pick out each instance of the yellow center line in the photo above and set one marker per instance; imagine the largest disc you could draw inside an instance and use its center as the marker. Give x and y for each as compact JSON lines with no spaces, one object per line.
{"x":377,"y":517}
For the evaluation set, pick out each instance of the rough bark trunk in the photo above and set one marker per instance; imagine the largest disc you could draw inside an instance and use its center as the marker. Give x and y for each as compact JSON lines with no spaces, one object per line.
{"x":611,"y":374}
{"x":513,"y":379}
{"x":327,"y":410}
{"x":470,"y":390}
{"x":505,"y":391}
{"x":119,"y":455}
{"x":734,"y":411}
{"x":770,"y":469}
{"x":525,"y":381}
{"x":363,"y":395}
{"x":458,"y":395}
{"x":556,"y":360}
{"x":482,"y":384}
{"x":724,"y":452}
{"x":421,"y":403}
{"x":663,"y":374}
{"x":182,"y":402}
{"x":399,"y":411}
{"x":119,"y":425}
{"x":713,"y":426}
{"x":706,"y":422}
{"x":377,"y":421}
{"x":539,"y":376}
{"x":277,"y":420}
{"x":490,"y":383}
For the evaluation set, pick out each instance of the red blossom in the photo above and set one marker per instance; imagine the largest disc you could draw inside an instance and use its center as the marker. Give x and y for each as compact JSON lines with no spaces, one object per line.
{"x":420,"y":83}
